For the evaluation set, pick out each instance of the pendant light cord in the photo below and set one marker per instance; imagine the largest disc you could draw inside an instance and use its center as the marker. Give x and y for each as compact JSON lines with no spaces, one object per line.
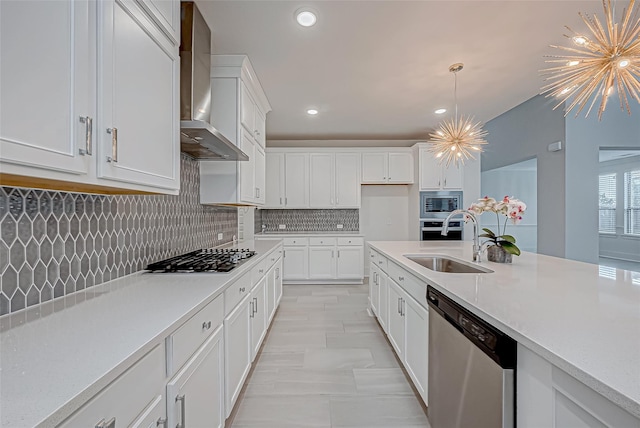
{"x":455,"y":92}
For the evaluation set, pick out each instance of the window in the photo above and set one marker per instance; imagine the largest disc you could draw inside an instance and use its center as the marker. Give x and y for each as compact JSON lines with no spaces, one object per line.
{"x":607,"y":204}
{"x":632,"y":202}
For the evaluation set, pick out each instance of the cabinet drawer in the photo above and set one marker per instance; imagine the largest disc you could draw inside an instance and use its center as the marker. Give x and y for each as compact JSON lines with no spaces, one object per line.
{"x":125,"y":397}
{"x":350,"y":241}
{"x":412,"y":285}
{"x":259,"y":271}
{"x":186,"y":339}
{"x":236,"y":292}
{"x":322,"y":241}
{"x":295,"y":242}
{"x":380,"y":261}
{"x":273,"y":257}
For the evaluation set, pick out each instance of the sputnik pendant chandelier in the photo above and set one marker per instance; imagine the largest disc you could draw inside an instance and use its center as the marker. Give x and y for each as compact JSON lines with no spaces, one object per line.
{"x":608,"y":59}
{"x":455,"y":140}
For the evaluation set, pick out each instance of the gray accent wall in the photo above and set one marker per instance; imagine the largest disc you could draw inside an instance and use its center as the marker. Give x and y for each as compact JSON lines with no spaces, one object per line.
{"x":56,"y":243}
{"x":567,"y":180}
{"x":523,"y":133}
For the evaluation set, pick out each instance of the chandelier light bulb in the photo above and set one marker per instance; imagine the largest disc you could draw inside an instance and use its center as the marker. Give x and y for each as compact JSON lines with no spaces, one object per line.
{"x":608,"y":62}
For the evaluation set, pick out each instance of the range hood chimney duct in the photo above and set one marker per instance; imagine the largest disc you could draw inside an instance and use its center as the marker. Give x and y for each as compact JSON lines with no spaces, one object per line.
{"x":198,"y":138}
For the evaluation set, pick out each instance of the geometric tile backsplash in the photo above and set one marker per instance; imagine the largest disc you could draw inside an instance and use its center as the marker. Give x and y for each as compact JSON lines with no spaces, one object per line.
{"x":325,"y":220}
{"x":56,"y":243}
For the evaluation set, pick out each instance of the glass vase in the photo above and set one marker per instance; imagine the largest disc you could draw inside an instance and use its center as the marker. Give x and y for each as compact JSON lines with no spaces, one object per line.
{"x":498,"y":254}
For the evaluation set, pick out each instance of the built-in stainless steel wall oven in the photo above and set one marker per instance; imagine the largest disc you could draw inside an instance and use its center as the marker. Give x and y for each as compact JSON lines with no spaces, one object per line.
{"x":434,"y":208}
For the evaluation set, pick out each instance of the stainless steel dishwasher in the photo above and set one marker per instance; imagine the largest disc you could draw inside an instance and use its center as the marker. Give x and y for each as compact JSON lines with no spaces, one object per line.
{"x":471,"y":369}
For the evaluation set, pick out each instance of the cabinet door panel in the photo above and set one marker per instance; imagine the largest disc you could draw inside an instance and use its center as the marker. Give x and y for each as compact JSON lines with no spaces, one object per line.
{"x":47,"y":78}
{"x":237,"y":352}
{"x":261,"y":127}
{"x":430,"y":171}
{"x":274,"y":188}
{"x":155,"y":412}
{"x":297,"y":180}
{"x":278,"y":286}
{"x":200,"y":385}
{"x":347,"y":173}
{"x":248,"y":191}
{"x":400,"y":168}
{"x":138,"y":88}
{"x":271,"y":293}
{"x":350,"y":264}
{"x":247,"y":109}
{"x":417,"y":345}
{"x":374,"y":168}
{"x":374,"y":290}
{"x":383,"y":307}
{"x":260,"y":174}
{"x":452,"y":177}
{"x":322,"y":263}
{"x":321,"y":180}
{"x":295,"y":263}
{"x":396,"y":320}
{"x":166,"y":13}
{"x":258,"y":316}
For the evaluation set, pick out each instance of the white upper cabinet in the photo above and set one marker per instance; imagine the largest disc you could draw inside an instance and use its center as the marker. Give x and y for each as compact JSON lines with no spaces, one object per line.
{"x":109,"y":57}
{"x":274,"y":186}
{"x":165,"y":13}
{"x":321,"y":180}
{"x":347,"y":180}
{"x":47,"y":79}
{"x":387,"y":167}
{"x":138,"y":90}
{"x":434,"y":176}
{"x":238,"y":110}
{"x":296,"y":180}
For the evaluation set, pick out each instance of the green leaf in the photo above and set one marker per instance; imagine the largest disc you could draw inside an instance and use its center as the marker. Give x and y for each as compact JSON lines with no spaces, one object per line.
{"x":510,"y":248}
{"x":508,"y":238}
{"x":486,"y":235}
{"x":489,"y":232}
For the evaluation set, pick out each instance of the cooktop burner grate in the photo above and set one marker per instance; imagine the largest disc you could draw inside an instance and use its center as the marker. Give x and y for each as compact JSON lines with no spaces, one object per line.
{"x":204,"y":260}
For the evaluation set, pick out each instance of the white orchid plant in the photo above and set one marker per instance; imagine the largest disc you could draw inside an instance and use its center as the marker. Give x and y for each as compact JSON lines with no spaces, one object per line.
{"x":512,"y":209}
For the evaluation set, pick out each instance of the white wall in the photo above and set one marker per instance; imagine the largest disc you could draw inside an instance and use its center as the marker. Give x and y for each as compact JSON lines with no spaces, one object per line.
{"x":619,"y":246}
{"x":384,"y":213}
{"x":520,"y":181}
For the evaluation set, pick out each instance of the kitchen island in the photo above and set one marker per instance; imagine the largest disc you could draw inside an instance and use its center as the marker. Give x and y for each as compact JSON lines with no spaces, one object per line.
{"x":568,"y":317}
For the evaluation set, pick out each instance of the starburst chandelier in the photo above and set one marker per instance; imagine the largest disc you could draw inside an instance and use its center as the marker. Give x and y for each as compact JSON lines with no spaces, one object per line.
{"x":607,"y":59}
{"x":456,"y":139}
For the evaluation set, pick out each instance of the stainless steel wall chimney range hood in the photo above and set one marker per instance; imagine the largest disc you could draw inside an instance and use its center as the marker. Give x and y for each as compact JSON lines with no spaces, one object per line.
{"x":198,"y":137}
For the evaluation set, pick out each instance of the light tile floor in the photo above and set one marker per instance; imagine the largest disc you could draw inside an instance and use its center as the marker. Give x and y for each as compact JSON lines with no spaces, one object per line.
{"x":327,"y":363}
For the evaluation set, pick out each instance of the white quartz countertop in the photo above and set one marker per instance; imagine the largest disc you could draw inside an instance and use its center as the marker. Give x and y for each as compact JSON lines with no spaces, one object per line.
{"x":275,"y":234}
{"x":581,"y":317}
{"x":56,"y":356}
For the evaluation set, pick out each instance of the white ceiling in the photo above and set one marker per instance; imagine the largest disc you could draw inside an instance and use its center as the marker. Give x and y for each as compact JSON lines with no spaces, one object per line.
{"x":378,"y":69}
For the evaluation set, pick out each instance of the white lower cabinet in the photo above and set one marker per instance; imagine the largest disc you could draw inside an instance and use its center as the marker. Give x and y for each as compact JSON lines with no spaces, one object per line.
{"x":237,"y":351}
{"x":153,"y":416}
{"x":349,"y":263}
{"x":548,"y":396}
{"x":322,"y":262}
{"x":258,"y":315}
{"x":404,"y":320}
{"x":195,"y":394}
{"x":140,"y":384}
{"x":296,"y":263}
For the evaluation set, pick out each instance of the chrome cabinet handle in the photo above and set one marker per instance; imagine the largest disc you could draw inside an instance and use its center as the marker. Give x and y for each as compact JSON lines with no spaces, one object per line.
{"x":114,"y":145}
{"x":183,"y":404}
{"x":88,"y":143}
{"x":111,"y":423}
{"x":161,"y":421}
{"x":445,"y":181}
{"x":338,"y":253}
{"x":280,"y":201}
{"x":331,"y":253}
{"x":399,"y":299}
{"x":277,"y":273}
{"x":206,"y":325}
{"x":255,"y":305}
{"x":401,"y":278}
{"x":261,"y":271}
{"x":241,"y":289}
{"x":286,"y":201}
{"x":438,"y":183}
{"x":404,"y":307}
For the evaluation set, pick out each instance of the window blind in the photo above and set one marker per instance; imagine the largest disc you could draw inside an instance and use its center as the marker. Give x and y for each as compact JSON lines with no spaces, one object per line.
{"x":632,"y":202}
{"x":607,"y":203}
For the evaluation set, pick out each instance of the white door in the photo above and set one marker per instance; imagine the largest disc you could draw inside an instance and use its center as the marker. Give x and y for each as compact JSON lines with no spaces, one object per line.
{"x":322,"y":262}
{"x":248,"y":192}
{"x":296,"y":180}
{"x":258,"y":315}
{"x":383,"y":307}
{"x":347,"y":180}
{"x":271,"y":293}
{"x":430,"y":171}
{"x":237,"y":352}
{"x":195,"y":394}
{"x":452,"y":177}
{"x":260,"y":174}
{"x":395,"y":330}
{"x":374,"y":168}
{"x":47,"y":76}
{"x":400,"y":167}
{"x":321,"y":180}
{"x":278,"y":280}
{"x":417,"y":344}
{"x":138,"y":90}
{"x":350,"y":263}
{"x":274,"y":188}
{"x":295,"y":263}
{"x":374,"y":290}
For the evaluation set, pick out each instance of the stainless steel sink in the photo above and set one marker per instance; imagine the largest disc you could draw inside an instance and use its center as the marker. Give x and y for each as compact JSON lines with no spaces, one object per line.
{"x":440,"y":263}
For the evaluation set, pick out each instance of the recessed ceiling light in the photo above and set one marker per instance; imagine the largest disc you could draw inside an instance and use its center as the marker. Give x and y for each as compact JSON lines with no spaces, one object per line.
{"x":312,"y":111}
{"x":441,"y":111}
{"x":306,"y":17}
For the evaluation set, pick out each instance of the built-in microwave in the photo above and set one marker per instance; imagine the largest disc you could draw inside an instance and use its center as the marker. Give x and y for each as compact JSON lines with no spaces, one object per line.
{"x":439,"y":204}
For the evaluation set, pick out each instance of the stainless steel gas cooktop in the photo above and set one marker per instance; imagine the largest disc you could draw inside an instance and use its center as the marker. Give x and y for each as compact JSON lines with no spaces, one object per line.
{"x":204,"y":260}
